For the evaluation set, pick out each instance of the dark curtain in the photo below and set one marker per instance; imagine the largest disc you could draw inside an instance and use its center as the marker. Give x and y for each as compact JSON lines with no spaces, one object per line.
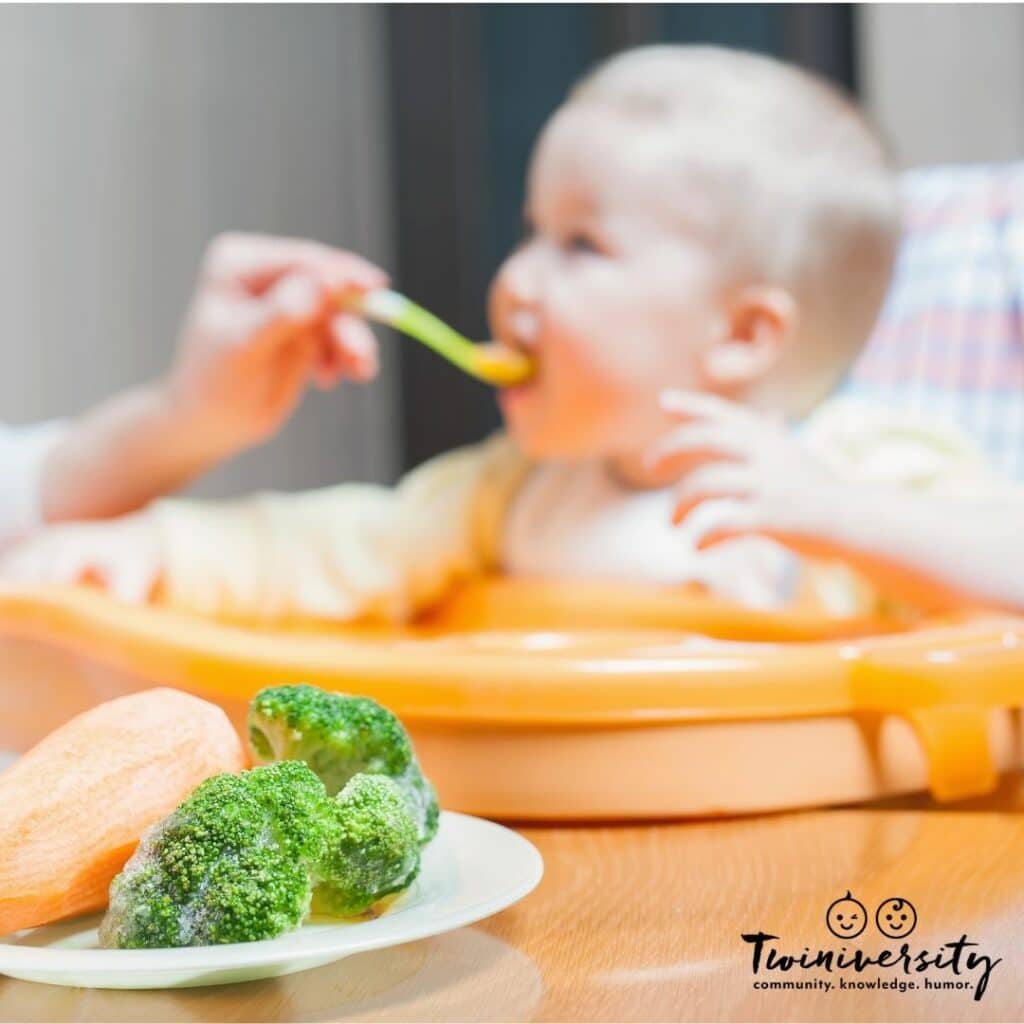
{"x":471,"y":86}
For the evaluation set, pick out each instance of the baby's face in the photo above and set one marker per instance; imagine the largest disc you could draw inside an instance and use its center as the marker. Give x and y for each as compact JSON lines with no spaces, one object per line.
{"x":615,"y":293}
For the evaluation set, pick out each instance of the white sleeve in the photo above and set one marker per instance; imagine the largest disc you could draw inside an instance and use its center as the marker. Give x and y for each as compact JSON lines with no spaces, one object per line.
{"x":22,"y":453}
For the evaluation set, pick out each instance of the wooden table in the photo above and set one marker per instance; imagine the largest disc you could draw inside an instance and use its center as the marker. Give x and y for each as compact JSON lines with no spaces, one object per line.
{"x":645,"y":922}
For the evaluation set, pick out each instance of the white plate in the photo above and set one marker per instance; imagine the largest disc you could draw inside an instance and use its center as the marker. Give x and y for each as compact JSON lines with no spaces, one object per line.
{"x":471,"y":870}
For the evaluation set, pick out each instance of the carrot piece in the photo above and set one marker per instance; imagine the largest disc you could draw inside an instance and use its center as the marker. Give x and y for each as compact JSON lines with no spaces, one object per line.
{"x":73,"y":808}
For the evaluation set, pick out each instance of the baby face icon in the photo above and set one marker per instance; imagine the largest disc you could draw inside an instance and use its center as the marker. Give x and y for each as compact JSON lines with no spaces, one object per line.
{"x":846,"y":917}
{"x":896,"y":917}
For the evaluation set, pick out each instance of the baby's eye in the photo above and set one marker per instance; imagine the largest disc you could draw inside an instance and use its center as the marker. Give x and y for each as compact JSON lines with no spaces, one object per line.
{"x":581,"y":242}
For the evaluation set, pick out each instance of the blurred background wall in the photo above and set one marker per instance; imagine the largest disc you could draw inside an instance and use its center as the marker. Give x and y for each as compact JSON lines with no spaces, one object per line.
{"x":132,"y":134}
{"x":945,"y":81}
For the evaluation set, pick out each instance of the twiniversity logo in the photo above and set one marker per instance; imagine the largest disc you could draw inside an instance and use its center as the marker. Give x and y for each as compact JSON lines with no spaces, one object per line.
{"x":957,"y":965}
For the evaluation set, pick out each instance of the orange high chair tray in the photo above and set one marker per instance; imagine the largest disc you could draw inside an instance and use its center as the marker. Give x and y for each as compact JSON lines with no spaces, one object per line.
{"x":537,"y":700}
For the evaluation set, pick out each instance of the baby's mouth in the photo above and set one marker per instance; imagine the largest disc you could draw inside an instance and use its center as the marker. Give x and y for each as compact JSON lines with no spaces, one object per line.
{"x":519,"y":334}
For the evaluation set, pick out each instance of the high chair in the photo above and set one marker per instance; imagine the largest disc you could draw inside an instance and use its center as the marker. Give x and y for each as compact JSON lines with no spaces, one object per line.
{"x":530,"y":700}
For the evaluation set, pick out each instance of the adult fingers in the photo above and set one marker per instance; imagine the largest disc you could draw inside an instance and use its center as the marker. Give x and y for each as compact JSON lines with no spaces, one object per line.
{"x":357,"y":344}
{"x":289,"y":311}
{"x":254,"y":263}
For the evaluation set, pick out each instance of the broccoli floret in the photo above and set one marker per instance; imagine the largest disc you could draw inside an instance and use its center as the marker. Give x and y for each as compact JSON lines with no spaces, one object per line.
{"x":241,"y":859}
{"x":232,"y":864}
{"x":375,"y":851}
{"x":340,"y":736}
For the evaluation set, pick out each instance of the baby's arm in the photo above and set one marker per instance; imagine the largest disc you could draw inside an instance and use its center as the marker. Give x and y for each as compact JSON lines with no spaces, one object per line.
{"x":343,"y":553}
{"x":263,"y":321}
{"x":748,"y":476}
{"x":934,"y":551}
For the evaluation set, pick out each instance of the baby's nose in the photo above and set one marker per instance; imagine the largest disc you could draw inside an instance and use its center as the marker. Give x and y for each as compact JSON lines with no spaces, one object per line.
{"x":522,"y":277}
{"x":517,"y":300}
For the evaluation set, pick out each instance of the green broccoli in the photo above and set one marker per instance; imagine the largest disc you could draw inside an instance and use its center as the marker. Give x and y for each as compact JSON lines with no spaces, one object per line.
{"x":375,"y":851}
{"x":244,"y":858}
{"x":340,"y":736}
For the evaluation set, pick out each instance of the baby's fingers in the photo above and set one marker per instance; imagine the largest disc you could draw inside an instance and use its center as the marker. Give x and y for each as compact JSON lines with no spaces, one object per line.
{"x":54,"y":558}
{"x":711,"y":482}
{"x":120,"y":559}
{"x":132,"y":582}
{"x":692,"y":444}
{"x":33,"y":561}
{"x":718,"y":519}
{"x":699,"y":405}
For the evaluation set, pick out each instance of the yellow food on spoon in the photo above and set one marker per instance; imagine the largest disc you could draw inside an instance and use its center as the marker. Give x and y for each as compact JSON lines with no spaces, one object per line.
{"x":501,"y":365}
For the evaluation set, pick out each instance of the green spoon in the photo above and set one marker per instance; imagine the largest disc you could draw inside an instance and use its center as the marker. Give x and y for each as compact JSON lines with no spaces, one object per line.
{"x":492,"y":363}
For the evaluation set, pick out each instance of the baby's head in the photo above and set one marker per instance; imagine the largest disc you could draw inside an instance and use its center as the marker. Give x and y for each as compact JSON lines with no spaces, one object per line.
{"x":700,"y":219}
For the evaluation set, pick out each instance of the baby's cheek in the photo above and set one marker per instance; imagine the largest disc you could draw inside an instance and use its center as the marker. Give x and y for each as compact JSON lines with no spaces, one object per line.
{"x":624,"y":362}
{"x":593,"y":400}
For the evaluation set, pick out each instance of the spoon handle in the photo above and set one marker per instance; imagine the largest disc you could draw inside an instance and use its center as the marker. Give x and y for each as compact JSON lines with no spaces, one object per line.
{"x":490,"y":363}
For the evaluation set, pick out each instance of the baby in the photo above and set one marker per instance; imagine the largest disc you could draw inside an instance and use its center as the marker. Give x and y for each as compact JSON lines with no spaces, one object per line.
{"x":711,"y":236}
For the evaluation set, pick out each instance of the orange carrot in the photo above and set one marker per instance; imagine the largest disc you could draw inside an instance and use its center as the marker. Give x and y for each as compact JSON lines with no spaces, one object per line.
{"x":73,"y":808}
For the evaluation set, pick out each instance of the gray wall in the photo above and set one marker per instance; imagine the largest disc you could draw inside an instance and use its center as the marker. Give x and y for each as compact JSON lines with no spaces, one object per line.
{"x":131,"y":135}
{"x":945,"y":81}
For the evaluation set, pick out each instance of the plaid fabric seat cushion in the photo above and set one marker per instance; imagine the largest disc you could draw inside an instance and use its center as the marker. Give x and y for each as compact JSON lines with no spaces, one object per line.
{"x":949,"y":343}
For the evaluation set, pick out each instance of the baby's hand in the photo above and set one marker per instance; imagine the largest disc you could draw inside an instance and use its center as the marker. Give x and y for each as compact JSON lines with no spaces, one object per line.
{"x":266,"y":318}
{"x":120,"y":555}
{"x":743,"y":475}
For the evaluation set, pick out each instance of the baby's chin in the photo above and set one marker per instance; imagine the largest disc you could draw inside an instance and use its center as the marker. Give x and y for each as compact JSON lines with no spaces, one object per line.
{"x":549,"y":441}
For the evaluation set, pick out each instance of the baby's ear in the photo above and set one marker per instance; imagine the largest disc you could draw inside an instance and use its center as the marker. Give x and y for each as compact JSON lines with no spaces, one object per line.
{"x":759,"y":322}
